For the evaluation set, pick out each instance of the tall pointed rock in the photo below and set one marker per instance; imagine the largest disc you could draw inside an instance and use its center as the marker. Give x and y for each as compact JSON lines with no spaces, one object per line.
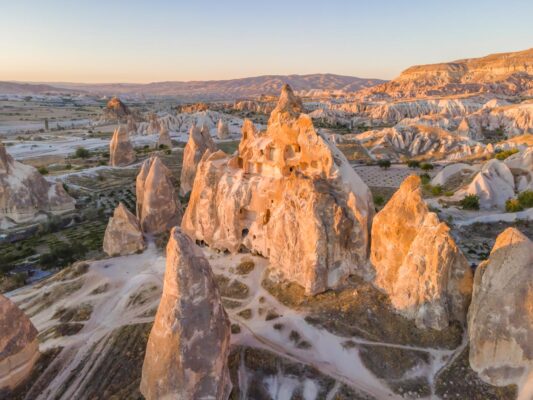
{"x":187,"y":351}
{"x":416,"y":261}
{"x":121,"y":150}
{"x":123,"y":234}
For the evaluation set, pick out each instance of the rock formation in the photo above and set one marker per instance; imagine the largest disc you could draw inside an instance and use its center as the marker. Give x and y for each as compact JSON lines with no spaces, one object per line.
{"x":131,"y":126}
{"x":158,"y":205}
{"x":494,"y":185}
{"x":19,"y":347}
{"x":416,"y":261}
{"x":187,"y":351}
{"x":290,"y":195}
{"x":164,"y":138}
{"x":521,"y":166}
{"x":199,"y":142}
{"x":116,"y":110}
{"x":222,"y":129}
{"x":123,"y":233}
{"x":121,"y":150}
{"x":500,"y":319}
{"x":24,"y":192}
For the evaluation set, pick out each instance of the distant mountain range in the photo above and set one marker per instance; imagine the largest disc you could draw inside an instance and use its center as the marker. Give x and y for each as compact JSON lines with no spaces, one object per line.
{"x":203,"y":90}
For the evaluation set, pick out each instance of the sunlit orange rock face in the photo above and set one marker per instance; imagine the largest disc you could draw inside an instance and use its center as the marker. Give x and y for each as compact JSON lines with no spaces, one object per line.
{"x":121,"y":150}
{"x":19,"y":347}
{"x":187,"y":351}
{"x":289,"y":195}
{"x":500,"y":320}
{"x":416,"y":261}
{"x":116,"y":110}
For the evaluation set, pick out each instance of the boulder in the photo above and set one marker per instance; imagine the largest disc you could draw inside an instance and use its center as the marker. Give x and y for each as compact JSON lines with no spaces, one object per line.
{"x":164,"y":138}
{"x":222,"y":129}
{"x":121,"y":150}
{"x":158,"y":205}
{"x":24,"y":192}
{"x":494,"y":185}
{"x":123,"y":234}
{"x":187,"y":351}
{"x":288,"y":194}
{"x":19,"y":347}
{"x":500,"y":319}
{"x":199,"y":142}
{"x":416,"y":261}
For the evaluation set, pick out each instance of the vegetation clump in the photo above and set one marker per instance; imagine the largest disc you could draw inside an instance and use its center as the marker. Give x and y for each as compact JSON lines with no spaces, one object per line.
{"x":502,"y":155}
{"x":470,"y":202}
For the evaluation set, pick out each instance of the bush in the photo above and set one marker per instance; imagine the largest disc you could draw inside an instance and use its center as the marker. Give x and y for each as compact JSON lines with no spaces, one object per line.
{"x":426,"y":166}
{"x":513,"y":205}
{"x":413,"y":164}
{"x":502,"y":155}
{"x":424,"y":178}
{"x":470,"y":202}
{"x":68,"y":166}
{"x":379,"y":200}
{"x":163,"y":147}
{"x":385,"y":164}
{"x":43,"y":170}
{"x":82,"y":152}
{"x":526,"y":199}
{"x":436,"y":190}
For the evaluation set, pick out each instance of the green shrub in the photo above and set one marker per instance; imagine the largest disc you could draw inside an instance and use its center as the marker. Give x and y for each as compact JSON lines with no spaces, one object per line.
{"x":436,"y":190}
{"x":502,"y":155}
{"x":526,"y":199}
{"x":413,"y":164}
{"x":43,"y":170}
{"x":470,"y":202}
{"x":163,"y":147}
{"x":424,"y":178}
{"x":513,"y":205}
{"x":82,"y":152}
{"x":385,"y":164}
{"x":426,"y":166}
{"x":379,"y":200}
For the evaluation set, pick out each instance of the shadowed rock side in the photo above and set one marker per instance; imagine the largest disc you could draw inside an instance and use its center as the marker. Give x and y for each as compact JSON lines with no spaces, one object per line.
{"x":164,"y":138}
{"x":289,"y":195}
{"x":199,"y":142}
{"x":123,"y":234}
{"x":417,"y":262}
{"x":121,"y":150}
{"x":19,"y":347}
{"x":158,"y":205}
{"x":500,"y":320}
{"x":187,"y":351}
{"x":222,"y":129}
{"x":116,"y":110}
{"x":24,"y":192}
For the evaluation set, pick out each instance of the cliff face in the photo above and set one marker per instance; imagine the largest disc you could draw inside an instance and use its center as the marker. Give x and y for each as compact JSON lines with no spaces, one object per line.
{"x":417,"y":262}
{"x":19,"y":347}
{"x":289,"y":195}
{"x":500,"y":319}
{"x":187,"y":351}
{"x":24,"y":192}
{"x":504,"y":73}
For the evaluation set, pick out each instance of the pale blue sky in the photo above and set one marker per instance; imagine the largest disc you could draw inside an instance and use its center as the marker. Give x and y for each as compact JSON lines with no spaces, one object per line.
{"x":145,"y":41}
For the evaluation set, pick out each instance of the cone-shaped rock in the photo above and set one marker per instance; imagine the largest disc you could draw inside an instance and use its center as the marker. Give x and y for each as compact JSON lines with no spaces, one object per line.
{"x":19,"y":347}
{"x":123,"y":233}
{"x":199,"y":142}
{"x":121,"y":151}
{"x":164,"y":138}
{"x":417,"y":262}
{"x":500,"y":319}
{"x":187,"y":351}
{"x":24,"y":192}
{"x":222,"y":129}
{"x":158,"y":205}
{"x":290,"y":195}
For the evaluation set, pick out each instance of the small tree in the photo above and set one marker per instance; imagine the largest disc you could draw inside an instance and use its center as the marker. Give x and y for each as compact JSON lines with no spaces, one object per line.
{"x":470,"y":202}
{"x":82,"y":152}
{"x":513,"y":205}
{"x":413,"y":164}
{"x":43,"y":170}
{"x":424,"y":178}
{"x":385,"y":164}
{"x":426,"y":166}
{"x":379,"y":200}
{"x":526,"y":199}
